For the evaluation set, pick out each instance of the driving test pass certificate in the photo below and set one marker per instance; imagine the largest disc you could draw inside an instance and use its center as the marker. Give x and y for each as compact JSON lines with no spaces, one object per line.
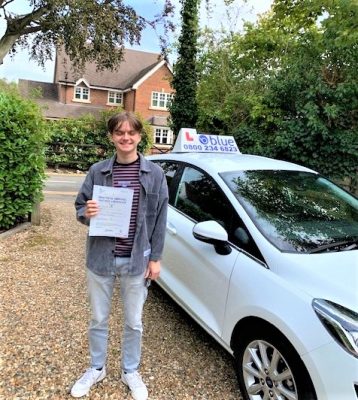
{"x":115,"y":206}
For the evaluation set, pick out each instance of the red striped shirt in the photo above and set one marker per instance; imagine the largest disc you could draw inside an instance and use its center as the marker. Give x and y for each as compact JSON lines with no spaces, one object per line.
{"x":127,"y":176}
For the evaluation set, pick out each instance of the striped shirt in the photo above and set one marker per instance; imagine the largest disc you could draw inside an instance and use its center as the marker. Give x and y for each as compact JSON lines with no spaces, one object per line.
{"x":127,"y":176}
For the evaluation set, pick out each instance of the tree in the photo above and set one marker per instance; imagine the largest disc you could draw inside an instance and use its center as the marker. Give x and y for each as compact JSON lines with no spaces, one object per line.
{"x":89,"y":30}
{"x":294,"y":86}
{"x":183,"y":107}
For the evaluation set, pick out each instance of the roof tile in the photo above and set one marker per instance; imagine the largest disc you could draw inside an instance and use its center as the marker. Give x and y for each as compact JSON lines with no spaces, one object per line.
{"x":134,"y":66}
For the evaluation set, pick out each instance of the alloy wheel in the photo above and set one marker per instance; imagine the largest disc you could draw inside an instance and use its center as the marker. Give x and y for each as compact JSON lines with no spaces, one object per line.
{"x":266,"y":373}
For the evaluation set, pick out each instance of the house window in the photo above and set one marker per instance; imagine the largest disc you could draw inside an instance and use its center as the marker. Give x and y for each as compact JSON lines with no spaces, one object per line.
{"x":82,"y":93}
{"x":161,"y":100}
{"x":115,"y":98}
{"x":163,"y":136}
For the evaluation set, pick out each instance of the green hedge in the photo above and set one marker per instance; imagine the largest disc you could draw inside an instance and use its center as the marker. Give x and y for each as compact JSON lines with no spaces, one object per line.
{"x":78,"y":143}
{"x":22,"y":161}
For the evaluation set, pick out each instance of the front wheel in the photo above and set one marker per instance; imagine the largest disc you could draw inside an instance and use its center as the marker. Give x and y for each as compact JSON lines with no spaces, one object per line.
{"x":269,"y":368}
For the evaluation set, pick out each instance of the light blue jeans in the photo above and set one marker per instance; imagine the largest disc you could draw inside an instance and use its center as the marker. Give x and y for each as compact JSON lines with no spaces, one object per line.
{"x":133,"y":291}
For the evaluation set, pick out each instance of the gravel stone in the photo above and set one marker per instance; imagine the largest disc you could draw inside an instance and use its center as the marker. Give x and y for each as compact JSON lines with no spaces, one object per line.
{"x":44,"y":316}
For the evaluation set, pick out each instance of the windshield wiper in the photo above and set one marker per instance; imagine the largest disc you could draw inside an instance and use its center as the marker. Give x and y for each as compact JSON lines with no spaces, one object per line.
{"x":344,"y":245}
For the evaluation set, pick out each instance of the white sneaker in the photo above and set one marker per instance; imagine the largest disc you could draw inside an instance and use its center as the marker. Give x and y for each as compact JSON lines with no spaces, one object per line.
{"x":87,"y":380}
{"x":137,"y":387}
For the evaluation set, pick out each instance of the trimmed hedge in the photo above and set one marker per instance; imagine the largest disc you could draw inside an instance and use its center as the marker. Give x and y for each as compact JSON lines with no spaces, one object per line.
{"x":22,"y":161}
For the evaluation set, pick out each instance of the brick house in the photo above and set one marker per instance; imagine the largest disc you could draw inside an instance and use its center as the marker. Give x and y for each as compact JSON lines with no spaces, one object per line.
{"x":140,"y":84}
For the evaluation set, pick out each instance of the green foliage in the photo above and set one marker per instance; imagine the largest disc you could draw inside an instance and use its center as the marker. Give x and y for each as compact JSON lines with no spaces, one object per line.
{"x":89,"y":30}
{"x":288,"y":87}
{"x":22,"y":137}
{"x":76,"y":143}
{"x":183,"y":108}
{"x":79,"y":143}
{"x":8,"y":87}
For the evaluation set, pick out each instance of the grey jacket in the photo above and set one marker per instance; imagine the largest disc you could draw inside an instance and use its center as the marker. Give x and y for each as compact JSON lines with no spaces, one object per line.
{"x":151,"y":218}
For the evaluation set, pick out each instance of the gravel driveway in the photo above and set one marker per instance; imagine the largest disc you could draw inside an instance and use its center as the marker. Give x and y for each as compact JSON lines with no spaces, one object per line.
{"x":44,"y":316}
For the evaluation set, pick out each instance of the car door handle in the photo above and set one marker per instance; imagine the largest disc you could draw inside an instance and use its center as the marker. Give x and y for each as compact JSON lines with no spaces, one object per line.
{"x":171,"y":229}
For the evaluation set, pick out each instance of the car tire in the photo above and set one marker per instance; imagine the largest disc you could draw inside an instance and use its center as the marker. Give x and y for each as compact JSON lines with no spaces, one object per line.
{"x":268,"y":367}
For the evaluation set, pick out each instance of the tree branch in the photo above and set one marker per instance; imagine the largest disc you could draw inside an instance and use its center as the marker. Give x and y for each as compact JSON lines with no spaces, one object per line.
{"x":16,"y":27}
{"x":31,"y":29}
{"x":4,"y":3}
{"x":103,"y":28}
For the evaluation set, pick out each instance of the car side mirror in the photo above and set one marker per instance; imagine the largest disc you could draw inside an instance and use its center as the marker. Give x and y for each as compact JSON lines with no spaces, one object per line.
{"x":213,"y":233}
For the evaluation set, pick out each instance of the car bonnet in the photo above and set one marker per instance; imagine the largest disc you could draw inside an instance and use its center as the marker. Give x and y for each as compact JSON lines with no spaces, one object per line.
{"x":331,"y":276}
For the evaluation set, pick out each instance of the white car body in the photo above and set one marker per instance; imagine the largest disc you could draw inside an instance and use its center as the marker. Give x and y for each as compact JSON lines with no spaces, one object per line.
{"x":220,"y":291}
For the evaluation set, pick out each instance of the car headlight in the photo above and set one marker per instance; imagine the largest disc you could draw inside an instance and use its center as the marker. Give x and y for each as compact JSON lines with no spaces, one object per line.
{"x":340,"y":322}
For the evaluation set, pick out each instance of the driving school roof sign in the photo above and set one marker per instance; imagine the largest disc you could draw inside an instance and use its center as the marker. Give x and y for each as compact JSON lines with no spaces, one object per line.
{"x":189,"y":140}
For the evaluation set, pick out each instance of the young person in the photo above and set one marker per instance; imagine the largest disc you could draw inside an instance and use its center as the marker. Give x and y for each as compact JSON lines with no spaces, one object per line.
{"x":134,"y":260}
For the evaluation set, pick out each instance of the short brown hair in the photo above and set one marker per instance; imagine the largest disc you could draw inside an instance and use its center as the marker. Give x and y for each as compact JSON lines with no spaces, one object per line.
{"x":118,"y":119}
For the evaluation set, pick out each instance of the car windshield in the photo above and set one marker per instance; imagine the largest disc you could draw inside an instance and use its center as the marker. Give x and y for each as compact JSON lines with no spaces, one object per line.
{"x":297,"y":211}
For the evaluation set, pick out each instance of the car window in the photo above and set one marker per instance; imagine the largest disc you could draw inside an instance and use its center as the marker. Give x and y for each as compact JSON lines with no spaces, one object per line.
{"x":169,"y":168}
{"x":199,"y":197}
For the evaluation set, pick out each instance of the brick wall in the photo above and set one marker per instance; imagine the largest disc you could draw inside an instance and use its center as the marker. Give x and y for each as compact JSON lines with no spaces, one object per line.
{"x":128,"y":100}
{"x":158,"y":82}
{"x":61,"y":93}
{"x":97,"y":97}
{"x":138,"y":100}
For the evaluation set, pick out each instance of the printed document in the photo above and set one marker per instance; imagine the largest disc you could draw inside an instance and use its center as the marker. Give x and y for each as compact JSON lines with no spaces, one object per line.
{"x":115,"y":206}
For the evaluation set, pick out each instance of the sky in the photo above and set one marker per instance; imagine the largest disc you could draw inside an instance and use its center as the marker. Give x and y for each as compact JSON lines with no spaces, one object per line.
{"x":21,"y":67}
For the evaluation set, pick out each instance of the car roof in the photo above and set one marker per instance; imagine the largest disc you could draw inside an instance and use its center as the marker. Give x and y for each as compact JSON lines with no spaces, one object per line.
{"x":219,"y":162}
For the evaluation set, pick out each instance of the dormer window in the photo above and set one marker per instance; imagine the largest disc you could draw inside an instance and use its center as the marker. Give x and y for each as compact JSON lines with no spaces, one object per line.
{"x":115,"y":98}
{"x":81,"y":93}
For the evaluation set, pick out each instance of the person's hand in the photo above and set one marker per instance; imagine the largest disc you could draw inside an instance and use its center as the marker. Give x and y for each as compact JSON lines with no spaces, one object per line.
{"x":153,"y":270}
{"x":92,"y":208}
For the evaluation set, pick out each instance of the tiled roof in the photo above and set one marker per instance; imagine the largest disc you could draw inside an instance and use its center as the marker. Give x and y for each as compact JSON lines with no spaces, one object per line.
{"x":159,"y":120}
{"x":56,"y":110}
{"x":51,"y":107}
{"x":45,"y":90}
{"x":134,"y":66}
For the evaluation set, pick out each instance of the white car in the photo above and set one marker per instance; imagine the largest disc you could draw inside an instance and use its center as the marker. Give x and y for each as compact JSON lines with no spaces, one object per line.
{"x":263,"y":255}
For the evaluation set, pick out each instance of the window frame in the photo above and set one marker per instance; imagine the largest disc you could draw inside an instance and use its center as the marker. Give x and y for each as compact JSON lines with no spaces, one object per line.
{"x":166,"y":98}
{"x":170,"y":135}
{"x":115,"y":94}
{"x":81,"y":89}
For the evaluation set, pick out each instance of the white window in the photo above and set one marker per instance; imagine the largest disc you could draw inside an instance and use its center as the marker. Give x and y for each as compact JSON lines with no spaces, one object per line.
{"x":163,"y":136}
{"x":161,"y":100}
{"x":115,"y":98}
{"x":82,"y":93}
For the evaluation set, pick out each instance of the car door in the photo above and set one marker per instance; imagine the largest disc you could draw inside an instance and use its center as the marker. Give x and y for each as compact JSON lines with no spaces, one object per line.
{"x":193,"y":272}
